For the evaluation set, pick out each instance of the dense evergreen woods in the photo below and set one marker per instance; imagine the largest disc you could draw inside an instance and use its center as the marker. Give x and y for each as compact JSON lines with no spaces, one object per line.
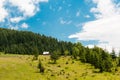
{"x":25,"y":42}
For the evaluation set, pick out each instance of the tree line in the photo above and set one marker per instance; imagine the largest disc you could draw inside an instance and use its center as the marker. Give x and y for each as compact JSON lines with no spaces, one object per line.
{"x":26,"y":42}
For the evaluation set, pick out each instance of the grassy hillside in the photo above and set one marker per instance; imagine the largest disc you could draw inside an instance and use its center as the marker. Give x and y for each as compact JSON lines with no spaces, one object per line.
{"x":19,"y":67}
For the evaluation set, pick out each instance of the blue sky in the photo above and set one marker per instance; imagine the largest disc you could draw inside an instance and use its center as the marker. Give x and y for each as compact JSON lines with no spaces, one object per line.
{"x":57,"y":18}
{"x":60,"y":18}
{"x":87,"y":21}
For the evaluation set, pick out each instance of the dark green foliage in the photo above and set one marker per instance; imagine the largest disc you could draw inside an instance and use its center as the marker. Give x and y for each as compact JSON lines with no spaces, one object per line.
{"x":36,"y":53}
{"x":55,"y":56}
{"x":25,"y":42}
{"x":83,"y":55}
{"x":96,"y":56}
{"x":66,"y":52}
{"x":100,"y":59}
{"x":119,"y":59}
{"x":113,"y":55}
{"x":75,"y":52}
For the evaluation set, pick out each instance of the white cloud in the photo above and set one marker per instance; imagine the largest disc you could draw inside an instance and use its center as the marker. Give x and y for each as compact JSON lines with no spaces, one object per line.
{"x":3,"y":12}
{"x":105,"y":8}
{"x":27,"y":7}
{"x":17,"y":26}
{"x":62,"y":21}
{"x":24,"y":25}
{"x":16,"y":19}
{"x":43,"y":0}
{"x":15,"y":11}
{"x":87,"y":16}
{"x":105,"y":28}
{"x":79,"y":24}
{"x":13,"y":27}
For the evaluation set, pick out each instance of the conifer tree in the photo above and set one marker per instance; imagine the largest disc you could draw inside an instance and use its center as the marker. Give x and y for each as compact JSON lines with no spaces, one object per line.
{"x":113,"y":55}
{"x":55,"y":56}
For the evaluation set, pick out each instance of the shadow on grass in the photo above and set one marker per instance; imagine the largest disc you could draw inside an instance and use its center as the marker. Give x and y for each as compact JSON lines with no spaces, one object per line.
{"x":51,"y":63}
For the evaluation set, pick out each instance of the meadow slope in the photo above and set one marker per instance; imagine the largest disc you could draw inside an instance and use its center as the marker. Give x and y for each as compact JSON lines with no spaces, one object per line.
{"x":21,"y":67}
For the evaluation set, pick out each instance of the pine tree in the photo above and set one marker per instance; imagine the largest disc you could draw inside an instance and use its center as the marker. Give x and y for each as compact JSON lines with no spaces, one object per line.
{"x":75,"y":52}
{"x":113,"y":55}
{"x":83,"y":56}
{"x":119,"y":59}
{"x":55,"y":56}
{"x":35,"y":53}
{"x":66,"y":52}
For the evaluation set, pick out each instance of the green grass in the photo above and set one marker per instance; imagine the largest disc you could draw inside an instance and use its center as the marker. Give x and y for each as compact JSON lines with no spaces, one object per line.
{"x":21,"y":67}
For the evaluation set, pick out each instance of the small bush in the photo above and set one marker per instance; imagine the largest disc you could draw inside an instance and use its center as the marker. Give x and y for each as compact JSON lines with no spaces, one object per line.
{"x":52,"y":75}
{"x":76,"y":79}
{"x":66,"y":67}
{"x":58,"y":66}
{"x":35,"y":58}
{"x":48,"y":78}
{"x":67,"y":62}
{"x":68,"y":74}
{"x":66,"y":77}
{"x":40,"y":66}
{"x":73,"y":62}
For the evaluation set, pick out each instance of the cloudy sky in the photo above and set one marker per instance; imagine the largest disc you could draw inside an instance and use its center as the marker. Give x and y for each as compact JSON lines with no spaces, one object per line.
{"x":92,"y":22}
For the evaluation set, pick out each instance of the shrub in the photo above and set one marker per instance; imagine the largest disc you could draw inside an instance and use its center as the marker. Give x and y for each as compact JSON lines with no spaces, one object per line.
{"x":58,"y":66}
{"x":40,"y":66}
{"x":73,"y":62}
{"x":55,"y":56}
{"x":67,"y":62}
